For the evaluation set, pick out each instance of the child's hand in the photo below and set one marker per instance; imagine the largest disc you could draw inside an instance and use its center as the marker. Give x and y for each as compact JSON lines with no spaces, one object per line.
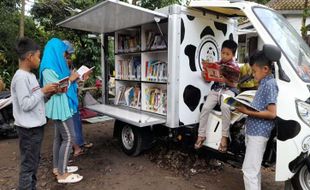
{"x":74,"y":76}
{"x":242,"y":109}
{"x":50,"y":88}
{"x":86,"y":75}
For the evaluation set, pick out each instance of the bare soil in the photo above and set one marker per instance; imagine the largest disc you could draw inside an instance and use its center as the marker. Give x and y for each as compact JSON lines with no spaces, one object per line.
{"x":105,"y":166}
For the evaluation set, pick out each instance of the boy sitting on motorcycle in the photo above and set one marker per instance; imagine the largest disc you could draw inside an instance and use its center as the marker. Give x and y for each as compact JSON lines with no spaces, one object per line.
{"x":259,"y":124}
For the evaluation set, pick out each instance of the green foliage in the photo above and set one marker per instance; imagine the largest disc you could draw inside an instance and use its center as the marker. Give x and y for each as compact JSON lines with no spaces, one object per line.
{"x":153,"y":4}
{"x":9,"y":32}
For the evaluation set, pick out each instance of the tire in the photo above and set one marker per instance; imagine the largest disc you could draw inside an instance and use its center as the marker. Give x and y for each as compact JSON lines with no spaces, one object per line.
{"x":301,"y":180}
{"x":131,"y":140}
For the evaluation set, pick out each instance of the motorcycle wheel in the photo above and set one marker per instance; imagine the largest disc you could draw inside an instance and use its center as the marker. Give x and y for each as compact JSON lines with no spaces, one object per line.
{"x":301,"y":180}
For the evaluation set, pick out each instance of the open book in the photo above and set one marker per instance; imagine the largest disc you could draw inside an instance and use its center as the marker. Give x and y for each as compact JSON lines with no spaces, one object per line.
{"x":244,"y":99}
{"x":63,"y":84}
{"x":83,"y":69}
{"x":212,"y":71}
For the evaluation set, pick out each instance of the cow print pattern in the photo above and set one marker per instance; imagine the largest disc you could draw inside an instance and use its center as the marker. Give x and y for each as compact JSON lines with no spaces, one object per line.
{"x":190,"y":52}
{"x":191,"y":94}
{"x":191,"y":97}
{"x":182,"y":31}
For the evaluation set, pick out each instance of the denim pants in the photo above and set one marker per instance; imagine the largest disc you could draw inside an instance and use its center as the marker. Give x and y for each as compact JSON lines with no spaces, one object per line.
{"x":79,"y":140}
{"x":30,"y":140}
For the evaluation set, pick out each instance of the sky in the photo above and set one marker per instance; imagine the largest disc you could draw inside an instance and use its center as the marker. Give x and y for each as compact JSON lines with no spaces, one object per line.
{"x":29,"y":4}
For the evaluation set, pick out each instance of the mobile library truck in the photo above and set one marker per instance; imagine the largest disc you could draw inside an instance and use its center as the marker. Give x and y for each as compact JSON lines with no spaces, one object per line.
{"x":158,"y":63}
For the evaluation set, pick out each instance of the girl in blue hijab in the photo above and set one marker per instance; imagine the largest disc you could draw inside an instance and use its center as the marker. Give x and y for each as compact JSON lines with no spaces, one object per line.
{"x":60,"y":108}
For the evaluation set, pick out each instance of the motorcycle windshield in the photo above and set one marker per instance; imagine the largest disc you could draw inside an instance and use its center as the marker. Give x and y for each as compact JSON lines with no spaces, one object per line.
{"x":288,"y":39}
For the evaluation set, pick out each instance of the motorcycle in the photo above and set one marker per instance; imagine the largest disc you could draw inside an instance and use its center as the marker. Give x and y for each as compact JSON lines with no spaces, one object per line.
{"x":7,"y":127}
{"x":236,"y":149}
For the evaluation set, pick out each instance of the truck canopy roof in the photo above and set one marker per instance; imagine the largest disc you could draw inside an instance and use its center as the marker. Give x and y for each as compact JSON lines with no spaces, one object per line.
{"x":110,"y":16}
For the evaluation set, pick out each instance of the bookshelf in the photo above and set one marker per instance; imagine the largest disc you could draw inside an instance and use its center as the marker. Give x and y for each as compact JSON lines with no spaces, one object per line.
{"x":141,"y":67}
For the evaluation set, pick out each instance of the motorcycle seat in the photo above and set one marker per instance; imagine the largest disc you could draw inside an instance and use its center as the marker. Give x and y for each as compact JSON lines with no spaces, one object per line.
{"x":5,"y":94}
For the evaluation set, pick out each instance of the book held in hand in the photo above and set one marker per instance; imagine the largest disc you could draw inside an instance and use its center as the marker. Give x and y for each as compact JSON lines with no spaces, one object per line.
{"x":63,"y":85}
{"x":212,"y":71}
{"x":244,"y":99}
{"x":83,"y":69}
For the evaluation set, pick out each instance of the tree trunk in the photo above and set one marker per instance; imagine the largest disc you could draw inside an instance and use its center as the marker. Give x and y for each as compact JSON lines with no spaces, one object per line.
{"x":134,"y":2}
{"x":22,"y":20}
{"x":304,"y":30}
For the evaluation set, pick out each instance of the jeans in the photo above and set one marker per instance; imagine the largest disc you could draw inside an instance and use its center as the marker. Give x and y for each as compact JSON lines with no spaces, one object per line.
{"x":30,"y":140}
{"x":79,"y":139}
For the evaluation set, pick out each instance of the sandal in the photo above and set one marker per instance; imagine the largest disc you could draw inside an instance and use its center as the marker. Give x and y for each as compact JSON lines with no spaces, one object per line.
{"x":199,"y":142}
{"x":88,"y":145}
{"x":223,"y":145}
{"x":71,"y":178}
{"x":81,"y":152}
{"x":70,"y":169}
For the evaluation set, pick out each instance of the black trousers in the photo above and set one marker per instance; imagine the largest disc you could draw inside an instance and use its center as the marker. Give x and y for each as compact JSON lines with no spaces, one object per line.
{"x":30,"y":141}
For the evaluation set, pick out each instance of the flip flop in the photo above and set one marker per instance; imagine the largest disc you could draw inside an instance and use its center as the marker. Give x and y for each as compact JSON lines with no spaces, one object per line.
{"x":88,"y":145}
{"x":222,"y":148}
{"x":79,"y":153}
{"x":199,"y":142}
{"x":71,"y":178}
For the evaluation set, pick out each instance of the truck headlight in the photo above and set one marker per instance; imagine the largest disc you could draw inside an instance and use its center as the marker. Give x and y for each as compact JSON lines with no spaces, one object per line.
{"x":303,"y":110}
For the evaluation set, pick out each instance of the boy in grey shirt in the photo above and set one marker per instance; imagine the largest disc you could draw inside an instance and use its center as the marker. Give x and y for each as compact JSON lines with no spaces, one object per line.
{"x":29,"y":111}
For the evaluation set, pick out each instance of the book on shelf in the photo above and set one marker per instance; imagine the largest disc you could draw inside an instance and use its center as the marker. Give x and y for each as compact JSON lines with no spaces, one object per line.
{"x":156,"y":100}
{"x":129,"y":96}
{"x":128,"y":42}
{"x":156,"y":71}
{"x":128,"y":69}
{"x":154,"y":41}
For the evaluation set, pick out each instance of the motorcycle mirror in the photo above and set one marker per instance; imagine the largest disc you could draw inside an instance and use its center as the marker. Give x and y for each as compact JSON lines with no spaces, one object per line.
{"x":273,"y":53}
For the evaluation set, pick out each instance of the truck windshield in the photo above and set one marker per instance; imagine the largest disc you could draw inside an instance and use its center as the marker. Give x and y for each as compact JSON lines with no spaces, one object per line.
{"x":287,"y":38}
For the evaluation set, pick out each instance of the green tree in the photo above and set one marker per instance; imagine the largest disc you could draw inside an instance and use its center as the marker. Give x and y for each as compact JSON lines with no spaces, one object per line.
{"x":49,"y":12}
{"x":9,"y":33}
{"x":306,"y":14}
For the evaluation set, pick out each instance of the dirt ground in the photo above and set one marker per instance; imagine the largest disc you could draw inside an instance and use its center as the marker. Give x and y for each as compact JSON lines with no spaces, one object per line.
{"x":105,"y":166}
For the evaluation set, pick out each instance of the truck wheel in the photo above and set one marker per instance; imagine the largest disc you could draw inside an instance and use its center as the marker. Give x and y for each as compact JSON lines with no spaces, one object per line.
{"x":301,"y":180}
{"x":131,"y":140}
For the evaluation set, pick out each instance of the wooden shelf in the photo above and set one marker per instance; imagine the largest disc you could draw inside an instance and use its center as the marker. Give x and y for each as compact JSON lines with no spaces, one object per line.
{"x":163,"y":50}
{"x":127,"y":80}
{"x":154,"y":82}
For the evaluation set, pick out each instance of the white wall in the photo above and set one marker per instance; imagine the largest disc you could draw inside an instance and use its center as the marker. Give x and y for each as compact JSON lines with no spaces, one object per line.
{"x":295,"y":21}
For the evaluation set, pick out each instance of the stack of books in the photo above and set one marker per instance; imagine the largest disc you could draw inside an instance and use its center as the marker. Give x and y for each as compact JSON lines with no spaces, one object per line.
{"x":128,"y":43}
{"x":154,"y":41}
{"x":156,"y":100}
{"x":129,"y":96}
{"x":156,"y":71}
{"x":128,"y":69}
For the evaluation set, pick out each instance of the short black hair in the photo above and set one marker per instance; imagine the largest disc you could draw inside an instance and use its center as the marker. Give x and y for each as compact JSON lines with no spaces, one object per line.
{"x":260,"y":59}
{"x":24,"y":46}
{"x":230,"y":44}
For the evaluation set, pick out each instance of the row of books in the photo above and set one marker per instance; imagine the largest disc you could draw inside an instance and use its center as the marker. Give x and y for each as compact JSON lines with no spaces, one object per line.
{"x":154,"y":40}
{"x":156,"y":100}
{"x":129,"y":96}
{"x":156,"y":71}
{"x":129,"y":43}
{"x":128,"y":69}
